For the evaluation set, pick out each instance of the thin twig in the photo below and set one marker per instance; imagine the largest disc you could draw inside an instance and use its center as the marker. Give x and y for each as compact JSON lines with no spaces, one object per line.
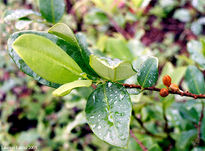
{"x":182,"y":93}
{"x":138,"y":141}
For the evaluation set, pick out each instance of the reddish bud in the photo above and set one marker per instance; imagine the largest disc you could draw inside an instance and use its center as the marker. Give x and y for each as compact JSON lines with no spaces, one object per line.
{"x":167,"y":80}
{"x":164,"y":92}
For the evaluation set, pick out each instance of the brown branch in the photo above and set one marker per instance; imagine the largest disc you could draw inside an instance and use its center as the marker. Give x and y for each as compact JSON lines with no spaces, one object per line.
{"x":138,"y":141}
{"x":182,"y":93}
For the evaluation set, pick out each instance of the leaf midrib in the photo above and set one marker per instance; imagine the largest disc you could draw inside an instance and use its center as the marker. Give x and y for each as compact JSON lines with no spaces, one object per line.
{"x":106,"y":100}
{"x":147,"y":75}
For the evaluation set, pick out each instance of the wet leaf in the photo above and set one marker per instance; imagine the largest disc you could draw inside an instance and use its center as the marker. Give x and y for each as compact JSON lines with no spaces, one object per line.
{"x":108,"y":113}
{"x":111,"y":69}
{"x":195,"y":80}
{"x":148,"y":73}
{"x":195,"y":49}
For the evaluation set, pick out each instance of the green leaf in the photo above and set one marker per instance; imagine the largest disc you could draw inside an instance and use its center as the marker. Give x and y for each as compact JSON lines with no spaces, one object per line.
{"x":203,"y":128}
{"x":203,"y":45}
{"x":118,"y":48}
{"x":111,"y":69}
{"x":20,"y":62}
{"x":85,"y":53}
{"x":108,"y":112}
{"x":52,"y":10}
{"x":186,"y":138}
{"x":148,"y":73}
{"x":79,"y":46}
{"x":195,"y":80}
{"x":190,"y":115}
{"x":68,"y":87}
{"x":17,"y":14}
{"x":63,"y":31}
{"x":195,"y":49}
{"x":47,"y":59}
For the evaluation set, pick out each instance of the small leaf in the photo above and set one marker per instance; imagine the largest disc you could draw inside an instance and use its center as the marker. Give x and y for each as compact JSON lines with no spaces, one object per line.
{"x":17,"y":14}
{"x":68,"y":87}
{"x":52,"y":10}
{"x":111,"y":69}
{"x":63,"y":31}
{"x":195,"y":80}
{"x":148,"y":73}
{"x":118,"y":48}
{"x":108,"y":112}
{"x":47,"y":59}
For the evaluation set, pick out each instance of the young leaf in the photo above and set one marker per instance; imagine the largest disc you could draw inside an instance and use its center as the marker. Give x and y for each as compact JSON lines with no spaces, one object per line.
{"x":195,"y":80}
{"x":111,"y":69}
{"x":67,"y":88}
{"x":52,"y":10}
{"x":108,"y":112}
{"x":78,"y":45}
{"x":148,"y":72}
{"x":63,"y":31}
{"x":47,"y":59}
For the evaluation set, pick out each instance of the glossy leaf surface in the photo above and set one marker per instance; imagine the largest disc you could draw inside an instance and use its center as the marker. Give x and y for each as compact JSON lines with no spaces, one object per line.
{"x":148,"y":72}
{"x":108,"y":112}
{"x":195,"y":80}
{"x":111,"y":69}
{"x":47,"y":59}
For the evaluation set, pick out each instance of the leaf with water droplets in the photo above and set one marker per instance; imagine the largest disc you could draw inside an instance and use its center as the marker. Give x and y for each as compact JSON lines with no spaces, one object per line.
{"x":148,"y":72}
{"x":108,"y":113}
{"x":195,"y":80}
{"x":111,"y":69}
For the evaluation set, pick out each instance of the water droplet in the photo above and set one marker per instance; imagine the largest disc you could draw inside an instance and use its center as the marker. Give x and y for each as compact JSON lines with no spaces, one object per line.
{"x":122,"y":96}
{"x":99,"y":127}
{"x":109,"y":84}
